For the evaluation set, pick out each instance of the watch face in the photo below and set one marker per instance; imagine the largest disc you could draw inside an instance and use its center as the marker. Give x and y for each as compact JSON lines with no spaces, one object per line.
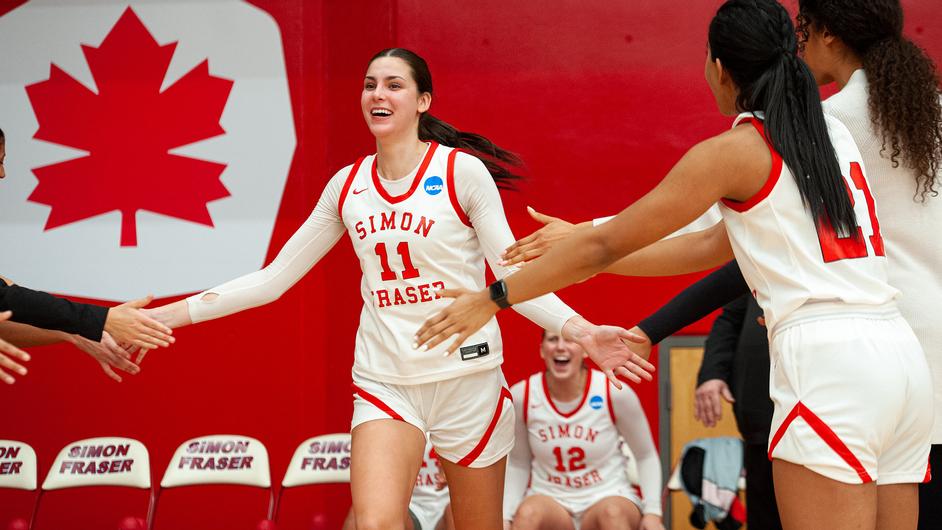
{"x":498,"y":290}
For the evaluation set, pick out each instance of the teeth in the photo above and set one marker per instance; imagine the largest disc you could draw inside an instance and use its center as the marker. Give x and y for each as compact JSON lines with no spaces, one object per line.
{"x":561,"y":359}
{"x":381,"y":112}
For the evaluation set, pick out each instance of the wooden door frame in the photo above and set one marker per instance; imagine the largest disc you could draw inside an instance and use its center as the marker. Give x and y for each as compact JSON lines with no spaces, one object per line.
{"x":664,"y":406}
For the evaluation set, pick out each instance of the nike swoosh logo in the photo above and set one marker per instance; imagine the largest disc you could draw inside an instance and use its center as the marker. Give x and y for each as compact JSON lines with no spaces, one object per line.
{"x":357,"y":192}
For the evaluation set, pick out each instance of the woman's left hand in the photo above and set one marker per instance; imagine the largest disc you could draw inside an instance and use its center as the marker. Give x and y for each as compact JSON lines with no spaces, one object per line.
{"x":467,"y":314}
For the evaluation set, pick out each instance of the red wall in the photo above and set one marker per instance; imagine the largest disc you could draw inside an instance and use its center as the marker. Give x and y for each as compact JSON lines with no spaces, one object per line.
{"x":598,"y":97}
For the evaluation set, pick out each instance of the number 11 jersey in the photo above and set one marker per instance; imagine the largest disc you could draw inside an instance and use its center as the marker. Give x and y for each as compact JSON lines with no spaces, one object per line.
{"x":410,"y":245}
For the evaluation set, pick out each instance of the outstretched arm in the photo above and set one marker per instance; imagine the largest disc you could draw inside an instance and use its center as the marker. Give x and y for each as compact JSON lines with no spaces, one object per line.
{"x":107,"y":352}
{"x":125,"y":322}
{"x":478,"y":196}
{"x":319,"y":233}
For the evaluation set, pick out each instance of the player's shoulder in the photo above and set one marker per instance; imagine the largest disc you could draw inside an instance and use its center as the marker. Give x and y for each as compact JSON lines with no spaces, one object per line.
{"x":468,"y":163}
{"x":742,"y":148}
{"x":344,"y":173}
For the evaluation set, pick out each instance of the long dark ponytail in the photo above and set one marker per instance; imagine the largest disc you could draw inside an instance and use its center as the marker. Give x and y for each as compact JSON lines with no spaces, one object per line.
{"x":756,"y":44}
{"x":903,"y":83}
{"x":431,"y":128}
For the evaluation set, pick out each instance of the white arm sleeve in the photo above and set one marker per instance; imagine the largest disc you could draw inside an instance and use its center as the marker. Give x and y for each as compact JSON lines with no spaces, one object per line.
{"x":707,"y":220}
{"x":307,"y":246}
{"x":517,"y":475}
{"x":633,"y":426}
{"x":478,"y":196}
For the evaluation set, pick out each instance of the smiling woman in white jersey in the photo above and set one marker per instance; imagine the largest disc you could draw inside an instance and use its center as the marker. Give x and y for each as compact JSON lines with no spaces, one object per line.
{"x":422,"y":217}
{"x":849,"y":380}
{"x":566,"y":470}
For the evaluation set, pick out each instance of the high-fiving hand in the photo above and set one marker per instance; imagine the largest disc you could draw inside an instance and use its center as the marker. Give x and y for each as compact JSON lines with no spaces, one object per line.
{"x":8,"y":352}
{"x":109,"y":354}
{"x":127,"y":324}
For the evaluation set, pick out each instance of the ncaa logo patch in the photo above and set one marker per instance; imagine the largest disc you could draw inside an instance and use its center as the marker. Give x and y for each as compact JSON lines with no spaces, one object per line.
{"x":595,"y":402}
{"x":434,"y":185}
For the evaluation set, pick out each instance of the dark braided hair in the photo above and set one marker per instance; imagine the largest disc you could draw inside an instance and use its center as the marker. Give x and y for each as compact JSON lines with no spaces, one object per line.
{"x":903,"y":82}
{"x":431,"y":128}
{"x":2,"y":137}
{"x":755,"y":42}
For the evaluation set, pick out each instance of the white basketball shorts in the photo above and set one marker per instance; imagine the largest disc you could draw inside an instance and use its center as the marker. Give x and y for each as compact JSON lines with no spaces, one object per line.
{"x":852,"y":393}
{"x":469,"y":419}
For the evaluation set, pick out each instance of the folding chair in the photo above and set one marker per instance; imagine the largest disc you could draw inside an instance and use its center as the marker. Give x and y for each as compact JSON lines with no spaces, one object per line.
{"x":107,"y":461}
{"x":322,"y":459}
{"x":18,"y":468}
{"x":214,"y":460}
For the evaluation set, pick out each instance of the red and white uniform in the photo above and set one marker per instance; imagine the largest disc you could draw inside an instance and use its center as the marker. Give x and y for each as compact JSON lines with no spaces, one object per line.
{"x":571,"y":452}
{"x":849,"y":380}
{"x":429,"y":230}
{"x":786,"y":261}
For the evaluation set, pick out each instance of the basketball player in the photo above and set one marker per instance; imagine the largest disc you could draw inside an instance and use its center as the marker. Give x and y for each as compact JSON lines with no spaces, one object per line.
{"x":850,"y":383}
{"x":428,"y":507}
{"x":422,"y":217}
{"x":566,"y":470}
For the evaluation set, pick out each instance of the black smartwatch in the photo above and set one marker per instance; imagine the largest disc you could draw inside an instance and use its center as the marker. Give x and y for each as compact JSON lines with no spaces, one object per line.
{"x":499,"y":294}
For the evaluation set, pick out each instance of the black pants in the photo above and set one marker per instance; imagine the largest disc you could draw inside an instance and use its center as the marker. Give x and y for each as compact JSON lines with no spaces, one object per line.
{"x":930,"y":494}
{"x":761,"y":510}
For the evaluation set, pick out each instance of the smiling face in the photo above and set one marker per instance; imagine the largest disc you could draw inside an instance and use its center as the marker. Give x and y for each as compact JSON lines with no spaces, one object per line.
{"x":391,"y":102}
{"x":563,"y":358}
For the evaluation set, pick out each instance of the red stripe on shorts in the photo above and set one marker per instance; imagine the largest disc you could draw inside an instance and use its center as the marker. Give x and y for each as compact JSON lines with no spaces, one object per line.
{"x":928,"y":474}
{"x":479,"y":448}
{"x":827,"y":435}
{"x":378,"y":403}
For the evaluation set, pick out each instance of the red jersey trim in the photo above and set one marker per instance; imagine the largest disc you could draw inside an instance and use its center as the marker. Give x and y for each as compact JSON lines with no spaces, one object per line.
{"x":479,"y":448}
{"x":432,"y":146}
{"x":376,"y":402}
{"x":452,"y":193}
{"x":347,"y":184}
{"x":827,"y":436}
{"x":743,"y":206}
{"x":585,"y":394}
{"x":608,"y":399}
{"x":526,"y":401}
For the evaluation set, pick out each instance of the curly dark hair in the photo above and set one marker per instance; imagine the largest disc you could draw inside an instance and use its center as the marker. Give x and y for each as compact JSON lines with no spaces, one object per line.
{"x":903,"y":82}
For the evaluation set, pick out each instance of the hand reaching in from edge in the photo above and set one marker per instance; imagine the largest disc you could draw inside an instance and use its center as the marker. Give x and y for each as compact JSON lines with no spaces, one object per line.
{"x":608,"y":348}
{"x":127,"y":324}
{"x":537,"y":243}
{"x":8,"y":352}
{"x":109,"y":355}
{"x":642,"y":347}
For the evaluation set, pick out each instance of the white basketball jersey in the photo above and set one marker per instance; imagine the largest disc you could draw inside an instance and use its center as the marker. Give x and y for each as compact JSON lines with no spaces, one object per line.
{"x":576,"y":454}
{"x":427,"y":493}
{"x":409,"y":246}
{"x":786,"y":260}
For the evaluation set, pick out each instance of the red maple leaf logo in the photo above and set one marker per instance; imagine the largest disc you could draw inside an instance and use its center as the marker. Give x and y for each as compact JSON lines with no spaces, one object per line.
{"x":128,"y":129}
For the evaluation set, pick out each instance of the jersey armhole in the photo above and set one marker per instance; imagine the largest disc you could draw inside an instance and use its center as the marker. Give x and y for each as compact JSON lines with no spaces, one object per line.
{"x":774,"y":173}
{"x":453,"y":193}
{"x":346,"y":186}
{"x":608,"y":399}
{"x":526,"y":400}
